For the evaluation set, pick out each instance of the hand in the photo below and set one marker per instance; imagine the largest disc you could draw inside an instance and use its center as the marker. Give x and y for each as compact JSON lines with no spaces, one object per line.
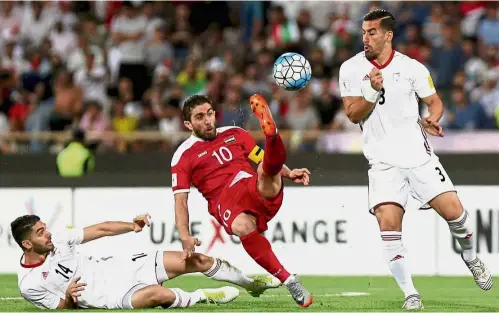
{"x":74,"y":289}
{"x":376,"y":79}
{"x":300,"y":176}
{"x":140,"y":222}
{"x":189,"y":244}
{"x":432,"y":127}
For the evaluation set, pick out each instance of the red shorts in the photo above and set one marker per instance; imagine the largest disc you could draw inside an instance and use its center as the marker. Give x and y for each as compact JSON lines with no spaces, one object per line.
{"x":243,"y":197}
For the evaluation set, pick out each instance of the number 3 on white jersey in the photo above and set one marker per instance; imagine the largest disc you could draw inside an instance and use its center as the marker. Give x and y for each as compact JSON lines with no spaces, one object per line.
{"x":223,"y":155}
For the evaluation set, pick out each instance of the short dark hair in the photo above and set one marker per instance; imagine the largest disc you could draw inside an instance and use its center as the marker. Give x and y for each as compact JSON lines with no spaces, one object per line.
{"x":22,"y":226}
{"x":387,"y":19}
{"x":191,"y":103}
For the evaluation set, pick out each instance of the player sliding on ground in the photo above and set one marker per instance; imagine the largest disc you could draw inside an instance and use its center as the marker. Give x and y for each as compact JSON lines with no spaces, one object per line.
{"x":217,"y":162}
{"x":54,"y":275}
{"x":380,"y":89}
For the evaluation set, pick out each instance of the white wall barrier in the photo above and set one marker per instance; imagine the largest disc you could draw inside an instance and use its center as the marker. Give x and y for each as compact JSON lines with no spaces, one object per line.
{"x":319,"y":230}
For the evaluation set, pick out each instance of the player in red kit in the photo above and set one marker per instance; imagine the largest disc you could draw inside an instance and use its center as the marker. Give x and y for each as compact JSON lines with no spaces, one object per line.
{"x":217,"y":162}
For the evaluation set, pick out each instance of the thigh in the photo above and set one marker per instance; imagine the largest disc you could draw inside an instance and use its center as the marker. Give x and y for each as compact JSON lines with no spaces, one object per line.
{"x":428,"y":181}
{"x":387,"y":185}
{"x":268,"y":187}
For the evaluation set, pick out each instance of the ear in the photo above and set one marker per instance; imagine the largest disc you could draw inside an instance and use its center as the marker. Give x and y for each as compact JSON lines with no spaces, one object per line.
{"x":389,"y":36}
{"x":188,"y":125}
{"x":27,"y":244}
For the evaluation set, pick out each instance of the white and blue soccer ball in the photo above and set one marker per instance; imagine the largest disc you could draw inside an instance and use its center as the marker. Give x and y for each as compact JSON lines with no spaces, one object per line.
{"x":292,"y":71}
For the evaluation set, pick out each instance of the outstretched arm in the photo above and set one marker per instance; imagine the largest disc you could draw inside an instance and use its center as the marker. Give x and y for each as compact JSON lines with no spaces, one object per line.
{"x":115,"y":228}
{"x":182,"y":222}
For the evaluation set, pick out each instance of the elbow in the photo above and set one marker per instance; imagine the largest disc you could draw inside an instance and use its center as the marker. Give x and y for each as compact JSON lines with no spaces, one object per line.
{"x":353,"y":117}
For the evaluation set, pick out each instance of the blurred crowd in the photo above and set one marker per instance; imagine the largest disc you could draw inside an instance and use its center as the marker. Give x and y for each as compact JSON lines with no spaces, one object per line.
{"x":127,"y":66}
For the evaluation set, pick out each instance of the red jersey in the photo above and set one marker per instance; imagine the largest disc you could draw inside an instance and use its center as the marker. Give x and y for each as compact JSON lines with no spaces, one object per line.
{"x":211,"y":165}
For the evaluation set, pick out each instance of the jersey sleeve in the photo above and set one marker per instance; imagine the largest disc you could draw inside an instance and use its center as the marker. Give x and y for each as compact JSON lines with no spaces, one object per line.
{"x":423,"y":83}
{"x":42,"y":299}
{"x":349,"y":81}
{"x":181,"y":174}
{"x":70,"y":236}
{"x":251,"y":150}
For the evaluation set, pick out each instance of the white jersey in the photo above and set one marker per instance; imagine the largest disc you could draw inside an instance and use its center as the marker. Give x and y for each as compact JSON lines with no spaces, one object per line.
{"x":45,"y":284}
{"x":392,"y":133}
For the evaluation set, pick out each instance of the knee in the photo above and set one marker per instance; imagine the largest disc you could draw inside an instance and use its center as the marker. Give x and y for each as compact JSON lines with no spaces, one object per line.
{"x":200,"y":262}
{"x":389,"y":219}
{"x":243,"y":224}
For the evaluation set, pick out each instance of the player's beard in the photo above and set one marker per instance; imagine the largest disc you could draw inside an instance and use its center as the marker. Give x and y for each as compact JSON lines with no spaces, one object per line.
{"x":372,"y":54}
{"x":206,"y":135}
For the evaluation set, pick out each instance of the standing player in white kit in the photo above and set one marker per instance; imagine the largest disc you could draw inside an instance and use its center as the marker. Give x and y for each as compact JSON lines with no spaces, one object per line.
{"x":54,"y":275}
{"x":380,"y":88}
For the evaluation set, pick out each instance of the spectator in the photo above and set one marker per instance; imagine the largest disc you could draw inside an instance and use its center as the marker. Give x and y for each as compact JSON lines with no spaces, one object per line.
{"x":11,"y":16}
{"x":464,"y":114}
{"x":302,"y":116}
{"x":432,"y":28}
{"x":94,"y":119}
{"x":448,"y":58}
{"x":282,"y":32}
{"x":148,"y":120}
{"x":63,"y":40}
{"x":128,"y":32}
{"x":92,"y":78}
{"x":192,"y":79}
{"x":490,"y":96}
{"x":77,"y":60}
{"x":68,"y":102}
{"x":158,"y":49}
{"x":488,"y":29}
{"x":38,"y":19}
{"x":234,"y":113}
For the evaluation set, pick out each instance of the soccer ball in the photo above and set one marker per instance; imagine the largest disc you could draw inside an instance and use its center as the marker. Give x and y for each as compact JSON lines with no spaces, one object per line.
{"x":292,"y":71}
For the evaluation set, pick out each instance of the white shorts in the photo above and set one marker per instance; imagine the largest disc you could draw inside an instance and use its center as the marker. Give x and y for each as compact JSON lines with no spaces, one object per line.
{"x":392,"y":184}
{"x":134,"y":273}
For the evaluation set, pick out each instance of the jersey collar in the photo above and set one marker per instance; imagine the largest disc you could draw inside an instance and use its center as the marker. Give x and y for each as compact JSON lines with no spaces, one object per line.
{"x":31,"y":265}
{"x":380,"y":67}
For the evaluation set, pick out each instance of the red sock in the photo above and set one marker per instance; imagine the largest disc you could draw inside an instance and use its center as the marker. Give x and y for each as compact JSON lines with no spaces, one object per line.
{"x":258,"y":247}
{"x":275,"y":155}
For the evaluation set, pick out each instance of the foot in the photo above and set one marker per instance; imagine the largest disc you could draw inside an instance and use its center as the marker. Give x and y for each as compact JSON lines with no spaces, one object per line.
{"x":413,"y":303}
{"x":262,"y":283}
{"x":261,"y":109}
{"x":220,"y":295}
{"x":301,"y":295}
{"x":480,"y":272}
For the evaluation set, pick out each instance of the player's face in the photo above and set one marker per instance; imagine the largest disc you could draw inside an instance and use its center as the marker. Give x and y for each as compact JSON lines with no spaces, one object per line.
{"x":203,"y":122}
{"x":40,"y":239}
{"x":375,"y":39}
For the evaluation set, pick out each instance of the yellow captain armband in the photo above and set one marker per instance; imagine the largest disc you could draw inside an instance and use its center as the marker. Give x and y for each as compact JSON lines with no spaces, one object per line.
{"x":256,"y":155}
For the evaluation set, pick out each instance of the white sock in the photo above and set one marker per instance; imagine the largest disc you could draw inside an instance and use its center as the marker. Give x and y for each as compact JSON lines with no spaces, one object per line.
{"x":185,"y":299}
{"x":223,"y":271}
{"x":395,"y":255}
{"x":460,"y":228}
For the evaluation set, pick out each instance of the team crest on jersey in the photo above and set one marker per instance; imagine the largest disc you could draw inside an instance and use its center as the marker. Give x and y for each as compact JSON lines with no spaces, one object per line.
{"x":396,"y":77}
{"x":45,"y":274}
{"x":231,"y":139}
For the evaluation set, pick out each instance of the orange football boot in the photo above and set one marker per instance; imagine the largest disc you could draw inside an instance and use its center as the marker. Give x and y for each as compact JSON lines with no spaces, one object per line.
{"x":261,"y":109}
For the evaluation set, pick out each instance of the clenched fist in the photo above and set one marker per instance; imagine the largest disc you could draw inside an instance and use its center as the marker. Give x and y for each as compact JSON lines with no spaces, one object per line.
{"x":140,"y":222}
{"x":376,"y":79}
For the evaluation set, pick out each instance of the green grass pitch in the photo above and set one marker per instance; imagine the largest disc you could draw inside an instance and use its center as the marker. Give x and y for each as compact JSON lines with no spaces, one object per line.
{"x":331,"y":294}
